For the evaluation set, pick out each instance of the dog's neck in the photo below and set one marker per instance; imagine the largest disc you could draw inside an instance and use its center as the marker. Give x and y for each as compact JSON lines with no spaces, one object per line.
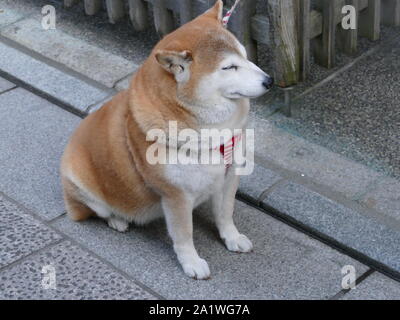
{"x":151,"y":103}
{"x":219,"y":113}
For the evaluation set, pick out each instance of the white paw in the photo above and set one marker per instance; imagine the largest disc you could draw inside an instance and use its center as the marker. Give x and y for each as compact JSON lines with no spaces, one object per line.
{"x":239,"y":244}
{"x":118,"y":224}
{"x":197,"y":269}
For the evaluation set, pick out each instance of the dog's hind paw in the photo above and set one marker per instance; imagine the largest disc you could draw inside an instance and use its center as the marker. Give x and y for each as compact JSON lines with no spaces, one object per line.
{"x":118,"y":224}
{"x":239,"y":244}
{"x":197,"y":269}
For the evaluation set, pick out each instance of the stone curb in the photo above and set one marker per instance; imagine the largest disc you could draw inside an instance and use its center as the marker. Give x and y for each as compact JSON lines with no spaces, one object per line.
{"x":94,"y":62}
{"x":49,"y":81}
{"x":364,"y":238}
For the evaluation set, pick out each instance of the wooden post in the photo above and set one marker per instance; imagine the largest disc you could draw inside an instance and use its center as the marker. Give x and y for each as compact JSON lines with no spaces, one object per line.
{"x":240,"y":25}
{"x":138,"y":12}
{"x":370,"y":19}
{"x":115,"y":10}
{"x":391,"y":12}
{"x":324,"y":45}
{"x":185,"y":10}
{"x":304,"y":27}
{"x":93,"y":6}
{"x":348,"y":39}
{"x":260,"y":29}
{"x":163,"y":18}
{"x":70,"y":3}
{"x":286,"y":44}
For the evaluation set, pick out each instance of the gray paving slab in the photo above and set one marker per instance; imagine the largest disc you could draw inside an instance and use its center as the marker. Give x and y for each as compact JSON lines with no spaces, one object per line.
{"x":52,"y":81}
{"x":78,"y":275}
{"x":385,"y":197}
{"x":7,"y":16}
{"x":89,"y":60}
{"x":285,"y":264}
{"x":375,"y":287}
{"x":364,"y":234}
{"x":252,"y":186}
{"x":124,"y":83}
{"x":357,"y":113}
{"x":119,"y":39}
{"x":98,"y":105}
{"x":23,"y":8}
{"x":5,"y":85}
{"x":310,"y":161}
{"x":33,"y":134}
{"x":20,"y":234}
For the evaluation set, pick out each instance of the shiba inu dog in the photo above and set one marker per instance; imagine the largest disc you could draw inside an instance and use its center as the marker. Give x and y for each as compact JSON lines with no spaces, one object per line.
{"x":198,"y":76}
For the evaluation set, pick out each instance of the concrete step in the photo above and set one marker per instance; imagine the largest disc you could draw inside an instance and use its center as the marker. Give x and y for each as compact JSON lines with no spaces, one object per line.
{"x":75,"y":43}
{"x":285,"y":264}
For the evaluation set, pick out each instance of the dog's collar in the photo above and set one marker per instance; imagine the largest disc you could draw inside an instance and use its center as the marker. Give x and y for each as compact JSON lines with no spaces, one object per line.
{"x":227,"y":149}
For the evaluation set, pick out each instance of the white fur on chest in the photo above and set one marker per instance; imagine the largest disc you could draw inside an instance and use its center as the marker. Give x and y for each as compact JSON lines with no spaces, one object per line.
{"x":202,"y":180}
{"x":197,"y":180}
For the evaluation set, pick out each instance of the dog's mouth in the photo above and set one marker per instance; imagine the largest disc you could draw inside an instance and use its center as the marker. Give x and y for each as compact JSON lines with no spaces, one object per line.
{"x":244,"y":96}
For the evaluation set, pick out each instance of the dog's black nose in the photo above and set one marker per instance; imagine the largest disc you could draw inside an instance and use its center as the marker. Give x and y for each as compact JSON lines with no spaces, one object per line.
{"x":268,"y":82}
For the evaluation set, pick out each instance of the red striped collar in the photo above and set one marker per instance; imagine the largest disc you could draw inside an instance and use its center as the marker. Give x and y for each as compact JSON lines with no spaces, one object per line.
{"x":227,"y":149}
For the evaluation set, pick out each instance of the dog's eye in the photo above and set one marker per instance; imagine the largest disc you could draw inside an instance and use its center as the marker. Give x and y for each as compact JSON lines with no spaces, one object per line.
{"x":232,"y":67}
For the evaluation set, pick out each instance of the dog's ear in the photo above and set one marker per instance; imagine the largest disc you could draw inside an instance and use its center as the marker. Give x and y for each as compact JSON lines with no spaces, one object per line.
{"x":216,"y":12}
{"x":175,"y":62}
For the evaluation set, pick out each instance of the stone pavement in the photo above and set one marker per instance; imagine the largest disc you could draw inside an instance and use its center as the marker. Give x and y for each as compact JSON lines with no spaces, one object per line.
{"x":308,"y":210}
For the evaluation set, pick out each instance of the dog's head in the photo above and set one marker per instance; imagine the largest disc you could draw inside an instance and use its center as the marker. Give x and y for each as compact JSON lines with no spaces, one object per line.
{"x":209,"y":63}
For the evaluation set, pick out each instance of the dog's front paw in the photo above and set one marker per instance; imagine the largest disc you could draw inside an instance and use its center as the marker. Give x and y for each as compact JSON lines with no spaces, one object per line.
{"x":197,"y":269}
{"x":239,"y":244}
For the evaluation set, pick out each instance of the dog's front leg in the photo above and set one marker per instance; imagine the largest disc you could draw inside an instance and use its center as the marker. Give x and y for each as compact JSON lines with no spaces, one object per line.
{"x":223,"y":204}
{"x":179,"y":218}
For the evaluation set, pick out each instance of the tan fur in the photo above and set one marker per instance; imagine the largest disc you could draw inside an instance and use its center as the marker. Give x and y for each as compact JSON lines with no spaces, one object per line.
{"x":107,"y":151}
{"x":104,"y":168}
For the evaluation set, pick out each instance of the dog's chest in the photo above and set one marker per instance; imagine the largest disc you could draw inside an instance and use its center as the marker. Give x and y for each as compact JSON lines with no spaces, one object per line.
{"x":196,"y":179}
